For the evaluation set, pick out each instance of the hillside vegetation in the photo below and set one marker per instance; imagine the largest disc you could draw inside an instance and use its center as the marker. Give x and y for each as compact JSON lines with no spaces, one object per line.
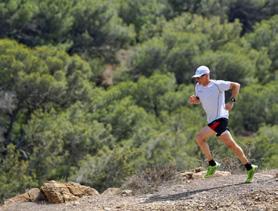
{"x":60,"y":119}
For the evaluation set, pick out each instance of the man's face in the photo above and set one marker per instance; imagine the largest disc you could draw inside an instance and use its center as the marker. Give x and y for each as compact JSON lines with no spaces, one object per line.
{"x":201,"y":79}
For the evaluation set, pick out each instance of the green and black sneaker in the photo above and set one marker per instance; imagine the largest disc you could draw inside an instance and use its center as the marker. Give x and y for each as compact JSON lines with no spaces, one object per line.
{"x":212,"y":169}
{"x":250,"y":173}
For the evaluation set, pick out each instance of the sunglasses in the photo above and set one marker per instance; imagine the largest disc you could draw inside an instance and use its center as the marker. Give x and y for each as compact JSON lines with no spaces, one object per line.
{"x":200,"y":77}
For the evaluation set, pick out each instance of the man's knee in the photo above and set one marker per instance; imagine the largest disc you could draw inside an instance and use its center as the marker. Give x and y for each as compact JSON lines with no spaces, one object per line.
{"x":199,"y":139}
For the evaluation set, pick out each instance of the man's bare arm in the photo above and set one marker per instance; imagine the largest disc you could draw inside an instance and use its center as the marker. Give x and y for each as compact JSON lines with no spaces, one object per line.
{"x":235,"y":87}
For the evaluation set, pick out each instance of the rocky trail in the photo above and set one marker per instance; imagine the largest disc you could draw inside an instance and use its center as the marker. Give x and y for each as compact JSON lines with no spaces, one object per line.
{"x":216,"y":193}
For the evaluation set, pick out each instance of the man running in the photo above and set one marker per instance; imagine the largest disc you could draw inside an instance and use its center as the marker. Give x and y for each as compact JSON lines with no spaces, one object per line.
{"x":211,"y":94}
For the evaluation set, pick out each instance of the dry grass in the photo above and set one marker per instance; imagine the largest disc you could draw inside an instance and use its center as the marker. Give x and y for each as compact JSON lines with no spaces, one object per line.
{"x":149,"y":179}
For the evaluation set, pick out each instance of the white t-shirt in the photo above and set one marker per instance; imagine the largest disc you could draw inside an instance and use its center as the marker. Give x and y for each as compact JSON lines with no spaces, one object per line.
{"x":212,"y":98}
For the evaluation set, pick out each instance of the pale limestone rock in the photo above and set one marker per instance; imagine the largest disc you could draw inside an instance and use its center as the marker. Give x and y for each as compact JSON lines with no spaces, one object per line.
{"x":17,"y":199}
{"x":201,"y":174}
{"x":33,"y":195}
{"x":127,"y":193}
{"x":81,"y":190}
{"x":57,"y":192}
{"x":112,"y":191}
{"x":222,"y":173}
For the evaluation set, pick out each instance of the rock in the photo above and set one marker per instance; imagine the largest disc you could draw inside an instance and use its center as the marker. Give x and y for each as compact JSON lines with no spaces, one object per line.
{"x":54,"y":192}
{"x":112,"y":191}
{"x":127,"y":193}
{"x":201,"y":174}
{"x":76,"y":203}
{"x":17,"y":199}
{"x":33,"y":195}
{"x":199,"y":169}
{"x":188,"y":175}
{"x":117,"y":191}
{"x":81,"y":190}
{"x":222,"y":173}
{"x":57,"y":192}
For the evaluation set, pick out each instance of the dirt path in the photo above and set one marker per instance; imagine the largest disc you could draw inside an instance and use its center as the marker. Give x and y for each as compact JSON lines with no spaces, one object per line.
{"x":217,"y":193}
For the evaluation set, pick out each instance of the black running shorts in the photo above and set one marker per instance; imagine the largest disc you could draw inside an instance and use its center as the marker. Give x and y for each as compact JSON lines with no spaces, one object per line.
{"x":219,"y":126}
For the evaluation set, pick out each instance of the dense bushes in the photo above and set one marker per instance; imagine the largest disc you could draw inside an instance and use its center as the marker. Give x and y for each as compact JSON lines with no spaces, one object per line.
{"x":258,"y":106}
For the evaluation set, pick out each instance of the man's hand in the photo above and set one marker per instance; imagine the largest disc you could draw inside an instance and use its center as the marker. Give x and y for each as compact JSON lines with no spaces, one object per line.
{"x":229,"y":106}
{"x":193,"y":100}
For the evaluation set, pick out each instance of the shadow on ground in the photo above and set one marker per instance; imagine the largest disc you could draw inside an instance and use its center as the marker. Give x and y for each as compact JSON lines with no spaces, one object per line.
{"x":187,"y":194}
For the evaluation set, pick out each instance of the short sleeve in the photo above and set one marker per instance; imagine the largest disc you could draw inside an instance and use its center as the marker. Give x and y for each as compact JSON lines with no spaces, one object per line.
{"x":223,"y":85}
{"x":196,"y":88}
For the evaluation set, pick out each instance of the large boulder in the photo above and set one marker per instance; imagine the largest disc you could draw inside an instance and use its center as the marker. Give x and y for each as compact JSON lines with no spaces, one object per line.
{"x":33,"y":195}
{"x":53,"y":192}
{"x":57,"y":192}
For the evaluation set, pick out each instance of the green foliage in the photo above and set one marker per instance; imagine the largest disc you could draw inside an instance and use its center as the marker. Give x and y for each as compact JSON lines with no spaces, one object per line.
{"x":257,"y":105}
{"x":149,"y":91}
{"x":182,"y":41}
{"x":264,"y":38}
{"x":181,"y":127}
{"x":124,"y":117}
{"x":15,"y":175}
{"x":264,"y":33}
{"x":144,"y":12}
{"x":148,"y":58}
{"x":218,"y":32}
{"x":202,"y":7}
{"x":183,"y":48}
{"x":106,"y":169}
{"x":150,"y":30}
{"x":42,"y":75}
{"x":53,"y":21}
{"x":60,"y":140}
{"x":36,"y":22}
{"x":41,"y":78}
{"x":98,"y":30}
{"x":228,"y":66}
{"x":15,"y":16}
{"x":248,"y":12}
{"x":238,"y":61}
{"x":262,"y":147}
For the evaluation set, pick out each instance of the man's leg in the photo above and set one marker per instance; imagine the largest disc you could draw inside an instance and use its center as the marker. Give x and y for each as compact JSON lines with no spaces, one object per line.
{"x":201,"y":140}
{"x":227,"y":139}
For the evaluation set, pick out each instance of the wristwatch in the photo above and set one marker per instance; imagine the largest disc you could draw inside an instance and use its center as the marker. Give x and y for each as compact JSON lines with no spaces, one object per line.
{"x":232,"y":99}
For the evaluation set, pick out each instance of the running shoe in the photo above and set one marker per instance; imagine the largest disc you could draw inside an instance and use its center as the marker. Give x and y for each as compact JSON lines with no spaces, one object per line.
{"x":212,"y":169}
{"x":250,"y":174}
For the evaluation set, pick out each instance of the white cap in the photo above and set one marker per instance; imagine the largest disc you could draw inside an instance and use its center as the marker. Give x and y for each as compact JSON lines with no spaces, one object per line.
{"x":201,"y":71}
